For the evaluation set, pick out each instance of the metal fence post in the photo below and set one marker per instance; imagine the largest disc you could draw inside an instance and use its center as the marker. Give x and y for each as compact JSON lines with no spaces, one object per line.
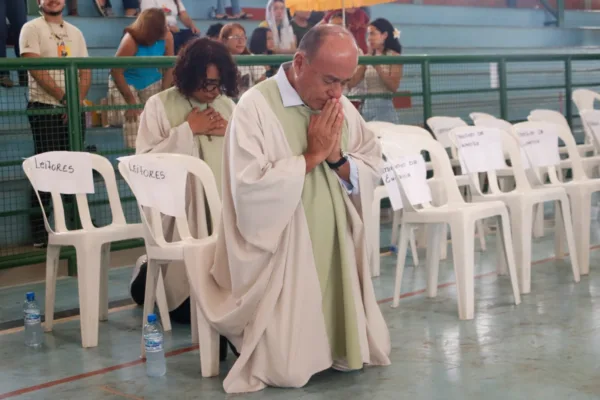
{"x":569,"y":91}
{"x":75,"y":139}
{"x":426,"y":90}
{"x":503,"y":84}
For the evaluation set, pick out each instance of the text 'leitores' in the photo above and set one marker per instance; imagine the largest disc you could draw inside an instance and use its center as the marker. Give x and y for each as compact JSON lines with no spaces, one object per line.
{"x":66,"y":172}
{"x":147,"y":172}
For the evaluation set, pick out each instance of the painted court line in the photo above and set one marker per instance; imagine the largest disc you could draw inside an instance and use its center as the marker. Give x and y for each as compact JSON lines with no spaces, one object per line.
{"x":110,"y":390}
{"x":183,"y":350}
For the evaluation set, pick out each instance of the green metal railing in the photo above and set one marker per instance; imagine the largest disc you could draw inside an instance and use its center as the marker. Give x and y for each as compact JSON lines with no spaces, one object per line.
{"x":508,"y":86}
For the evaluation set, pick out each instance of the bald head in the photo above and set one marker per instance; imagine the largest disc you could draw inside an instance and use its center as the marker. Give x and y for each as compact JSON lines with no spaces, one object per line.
{"x":333,"y":39}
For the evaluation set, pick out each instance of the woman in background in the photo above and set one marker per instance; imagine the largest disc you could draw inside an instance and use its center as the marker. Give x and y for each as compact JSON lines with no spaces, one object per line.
{"x":147,"y":36}
{"x":278,"y":22}
{"x":189,"y":118}
{"x":261,"y":43}
{"x":174,"y":9}
{"x":380,"y":79}
{"x":233,"y":36}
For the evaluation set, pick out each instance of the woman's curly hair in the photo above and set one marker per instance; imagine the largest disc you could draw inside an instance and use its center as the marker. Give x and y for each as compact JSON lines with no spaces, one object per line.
{"x":193,"y":61}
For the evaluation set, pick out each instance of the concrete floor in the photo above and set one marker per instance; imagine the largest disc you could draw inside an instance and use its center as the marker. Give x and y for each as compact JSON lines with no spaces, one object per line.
{"x":546,"y":348}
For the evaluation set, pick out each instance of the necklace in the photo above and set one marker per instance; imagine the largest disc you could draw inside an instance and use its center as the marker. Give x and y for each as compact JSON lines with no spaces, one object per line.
{"x":59,"y":38}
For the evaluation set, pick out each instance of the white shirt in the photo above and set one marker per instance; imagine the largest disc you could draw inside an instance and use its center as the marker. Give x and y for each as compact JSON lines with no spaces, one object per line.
{"x":168,"y":6}
{"x":291,"y":98}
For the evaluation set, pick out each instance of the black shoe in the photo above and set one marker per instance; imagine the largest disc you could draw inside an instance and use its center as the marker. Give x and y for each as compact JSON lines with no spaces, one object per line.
{"x":223,"y":342}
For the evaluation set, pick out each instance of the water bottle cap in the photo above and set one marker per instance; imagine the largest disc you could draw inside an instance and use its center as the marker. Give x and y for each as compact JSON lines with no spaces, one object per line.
{"x":151,"y":318}
{"x":30,"y":296}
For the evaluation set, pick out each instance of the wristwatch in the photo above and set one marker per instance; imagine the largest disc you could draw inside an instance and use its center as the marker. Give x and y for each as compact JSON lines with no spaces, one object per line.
{"x":343,"y":160}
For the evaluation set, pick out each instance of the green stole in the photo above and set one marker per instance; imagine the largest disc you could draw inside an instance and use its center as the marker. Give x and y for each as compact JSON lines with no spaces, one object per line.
{"x":323,"y":202}
{"x":177,"y":107}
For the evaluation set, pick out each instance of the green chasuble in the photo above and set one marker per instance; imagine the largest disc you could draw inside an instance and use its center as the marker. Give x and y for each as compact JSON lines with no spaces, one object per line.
{"x":323,"y":202}
{"x":177,"y":107}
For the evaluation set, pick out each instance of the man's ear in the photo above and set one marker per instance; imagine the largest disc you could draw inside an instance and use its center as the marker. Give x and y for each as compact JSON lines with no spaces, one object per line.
{"x":299,"y":62}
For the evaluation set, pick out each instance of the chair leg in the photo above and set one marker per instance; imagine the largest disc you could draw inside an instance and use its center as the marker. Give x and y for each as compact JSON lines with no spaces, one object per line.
{"x":104,"y":267}
{"x":463,"y":251}
{"x":375,"y":237}
{"x":479,"y":226}
{"x":559,"y":232}
{"x":88,"y":282}
{"x":508,"y":254}
{"x":567,"y":223}
{"x":405,"y":230}
{"x":437,"y":236}
{"x":502,"y":261}
{"x":538,"y":226}
{"x":581,"y":212}
{"x":52,"y":259}
{"x":208,"y":339}
{"x":161,"y":302}
{"x":521,"y":221}
{"x":413,"y":248}
{"x":396,"y":220}
{"x":150,"y":294}
{"x":444,"y":243}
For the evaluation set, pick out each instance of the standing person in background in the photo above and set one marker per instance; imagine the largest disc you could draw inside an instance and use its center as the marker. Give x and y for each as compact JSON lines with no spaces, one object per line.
{"x":300,"y":24}
{"x":236,"y":10}
{"x":148,"y":36}
{"x":233,"y":36}
{"x":50,"y":36}
{"x":175,"y":9}
{"x":189,"y":118}
{"x":357,"y":21}
{"x":262,"y":43}
{"x":278,"y":22}
{"x":16,"y":13}
{"x":380,"y":79}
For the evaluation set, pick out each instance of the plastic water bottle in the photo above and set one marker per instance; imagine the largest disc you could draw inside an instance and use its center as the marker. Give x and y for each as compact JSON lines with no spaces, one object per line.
{"x":155,"y":353}
{"x":33,"y":321}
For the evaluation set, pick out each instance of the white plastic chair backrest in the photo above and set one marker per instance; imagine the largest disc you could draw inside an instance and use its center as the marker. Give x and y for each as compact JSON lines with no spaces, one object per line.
{"x":207,"y":189}
{"x":385,"y":132}
{"x":395,"y":146}
{"x":378,"y":126}
{"x":591,"y":124}
{"x":496,"y":123}
{"x":584,"y":99}
{"x":480,"y":115}
{"x":565,"y":134}
{"x":106,"y":170}
{"x":508,"y":148}
{"x":441,"y":127}
{"x":550,"y":169}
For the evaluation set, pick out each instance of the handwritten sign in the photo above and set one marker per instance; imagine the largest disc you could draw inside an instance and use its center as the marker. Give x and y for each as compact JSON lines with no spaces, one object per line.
{"x":412,"y":172}
{"x":539,"y":147}
{"x":441,"y":128}
{"x":66,"y":172}
{"x":480,"y":150}
{"x":389,"y":180}
{"x":158,"y":184}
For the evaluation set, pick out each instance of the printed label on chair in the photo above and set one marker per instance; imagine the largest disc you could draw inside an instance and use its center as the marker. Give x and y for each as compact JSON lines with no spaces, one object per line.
{"x":389,"y":180}
{"x":66,"y":172}
{"x":539,"y":147}
{"x":480,"y":150}
{"x":412,"y":172}
{"x":158,"y":184}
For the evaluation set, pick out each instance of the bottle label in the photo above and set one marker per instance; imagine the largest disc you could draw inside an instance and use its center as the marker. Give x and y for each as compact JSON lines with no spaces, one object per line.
{"x":153,"y":345}
{"x":32,"y":318}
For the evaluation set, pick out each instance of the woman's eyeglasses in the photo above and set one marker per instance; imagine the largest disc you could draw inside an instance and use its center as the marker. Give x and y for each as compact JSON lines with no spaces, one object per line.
{"x":210,"y":85}
{"x":237,"y":37}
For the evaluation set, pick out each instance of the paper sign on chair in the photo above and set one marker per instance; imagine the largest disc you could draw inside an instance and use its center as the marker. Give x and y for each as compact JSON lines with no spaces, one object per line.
{"x":539,"y":147}
{"x":480,"y":151}
{"x":389,"y":180}
{"x":159,"y":185}
{"x":66,"y":172}
{"x":412,"y":172}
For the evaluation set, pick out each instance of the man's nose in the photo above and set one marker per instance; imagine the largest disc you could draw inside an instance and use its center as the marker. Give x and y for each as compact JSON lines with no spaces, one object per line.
{"x":336,"y":91}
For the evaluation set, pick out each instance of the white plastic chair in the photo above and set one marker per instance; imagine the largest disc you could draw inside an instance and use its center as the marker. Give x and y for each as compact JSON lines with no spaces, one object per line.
{"x":461,"y":217}
{"x":480,"y":115}
{"x":584,"y":100}
{"x":520,"y":201}
{"x":555,"y":117}
{"x":579,"y":189}
{"x":92,"y":246}
{"x":161,"y":252}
